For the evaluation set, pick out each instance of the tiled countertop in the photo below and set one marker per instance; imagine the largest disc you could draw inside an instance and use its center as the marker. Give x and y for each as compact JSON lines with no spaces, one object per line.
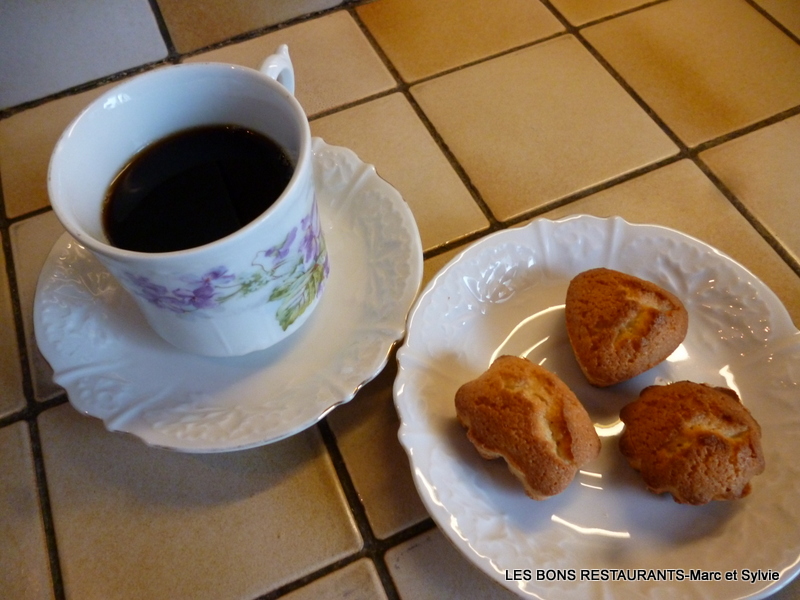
{"x":684,"y":113}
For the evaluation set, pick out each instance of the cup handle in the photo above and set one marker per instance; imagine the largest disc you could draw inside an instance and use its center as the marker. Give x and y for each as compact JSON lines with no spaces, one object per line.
{"x":279,"y":67}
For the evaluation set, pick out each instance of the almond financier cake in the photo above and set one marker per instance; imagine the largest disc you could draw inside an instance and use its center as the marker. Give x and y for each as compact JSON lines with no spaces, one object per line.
{"x":620,"y":326}
{"x":697,"y":442}
{"x":525,"y":414}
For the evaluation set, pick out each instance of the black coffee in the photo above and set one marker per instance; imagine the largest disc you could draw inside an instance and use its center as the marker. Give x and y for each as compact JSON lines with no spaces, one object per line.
{"x":194,"y":187}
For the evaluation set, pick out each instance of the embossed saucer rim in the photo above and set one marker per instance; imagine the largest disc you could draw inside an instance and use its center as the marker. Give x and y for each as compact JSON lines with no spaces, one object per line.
{"x":260,"y":398}
{"x":505,"y":293}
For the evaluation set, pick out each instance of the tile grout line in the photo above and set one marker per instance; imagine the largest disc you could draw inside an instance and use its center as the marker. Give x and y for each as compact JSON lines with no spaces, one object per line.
{"x":767,"y":15}
{"x":163,"y":30}
{"x":751,"y":218}
{"x":370,"y":543}
{"x":477,"y":197}
{"x":353,"y":104}
{"x":556,"y":203}
{"x":611,"y":17}
{"x":46,"y":511}
{"x":10,"y":111}
{"x":683,"y":149}
{"x":16,"y":310}
{"x":404,"y":88}
{"x":747,"y":129}
{"x":372,"y":548}
{"x":783,"y":251}
{"x":33,"y":407}
{"x":29,"y":414}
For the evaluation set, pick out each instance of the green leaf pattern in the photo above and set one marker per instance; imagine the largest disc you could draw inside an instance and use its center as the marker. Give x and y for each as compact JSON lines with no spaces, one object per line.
{"x":296,"y":269}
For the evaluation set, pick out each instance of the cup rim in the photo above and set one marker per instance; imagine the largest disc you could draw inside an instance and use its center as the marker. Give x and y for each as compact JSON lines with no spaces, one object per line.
{"x":102,"y":247}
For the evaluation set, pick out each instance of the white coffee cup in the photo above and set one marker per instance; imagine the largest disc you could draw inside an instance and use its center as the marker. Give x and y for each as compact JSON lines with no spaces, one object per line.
{"x":243,"y":292}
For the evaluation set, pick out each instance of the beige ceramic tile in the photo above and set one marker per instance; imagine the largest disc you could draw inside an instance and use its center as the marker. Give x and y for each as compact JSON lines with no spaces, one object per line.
{"x":24,"y":568}
{"x":422,"y":38}
{"x":388,"y":134}
{"x":705,"y":67}
{"x":540,"y":124}
{"x":12,"y":397}
{"x":137,"y":522}
{"x":787,"y":13}
{"x":579,"y":12}
{"x":27,"y":140}
{"x":763,"y":170}
{"x":31,"y":241}
{"x":680,"y":196}
{"x":334,"y":63}
{"x":194,"y":25}
{"x":357,"y":581}
{"x":428,"y":567}
{"x":366,"y":432}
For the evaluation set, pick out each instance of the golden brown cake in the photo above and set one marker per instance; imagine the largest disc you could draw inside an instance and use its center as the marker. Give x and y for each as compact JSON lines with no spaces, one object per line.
{"x":620,"y":326}
{"x":697,"y":442}
{"x":521,"y":412}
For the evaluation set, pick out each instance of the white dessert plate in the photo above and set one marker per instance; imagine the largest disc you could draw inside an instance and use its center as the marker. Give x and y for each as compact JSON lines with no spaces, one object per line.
{"x":114,"y":367}
{"x":605,"y":536}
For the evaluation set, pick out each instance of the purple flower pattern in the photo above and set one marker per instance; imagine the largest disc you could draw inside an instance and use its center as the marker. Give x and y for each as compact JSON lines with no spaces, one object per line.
{"x":296,"y":268}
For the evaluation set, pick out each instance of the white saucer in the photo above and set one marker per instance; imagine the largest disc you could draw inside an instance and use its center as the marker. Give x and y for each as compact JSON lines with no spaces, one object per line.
{"x":605,"y":536}
{"x":114,"y":367}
